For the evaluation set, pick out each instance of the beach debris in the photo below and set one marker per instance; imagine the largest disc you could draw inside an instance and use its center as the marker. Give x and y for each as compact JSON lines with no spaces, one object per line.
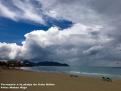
{"x":107,"y":79}
{"x":75,"y":76}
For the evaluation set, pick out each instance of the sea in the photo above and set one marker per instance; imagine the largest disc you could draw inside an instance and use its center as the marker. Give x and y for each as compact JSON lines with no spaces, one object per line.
{"x":112,"y":72}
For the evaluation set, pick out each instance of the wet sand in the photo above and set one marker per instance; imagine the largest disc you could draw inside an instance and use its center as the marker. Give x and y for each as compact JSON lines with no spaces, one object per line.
{"x":44,"y":81}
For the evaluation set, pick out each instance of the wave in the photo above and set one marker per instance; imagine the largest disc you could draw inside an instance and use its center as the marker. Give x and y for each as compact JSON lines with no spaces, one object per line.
{"x":95,"y":74}
{"x":79,"y":73}
{"x":88,"y":73}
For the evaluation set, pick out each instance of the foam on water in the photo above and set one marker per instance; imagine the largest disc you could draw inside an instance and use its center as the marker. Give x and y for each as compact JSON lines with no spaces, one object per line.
{"x":98,"y":72}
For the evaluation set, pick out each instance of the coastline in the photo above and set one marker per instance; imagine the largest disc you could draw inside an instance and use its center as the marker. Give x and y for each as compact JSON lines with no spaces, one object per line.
{"x":62,"y":81}
{"x":88,"y":74}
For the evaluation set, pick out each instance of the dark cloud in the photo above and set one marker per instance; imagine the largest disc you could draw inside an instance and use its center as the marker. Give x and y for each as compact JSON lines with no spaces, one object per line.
{"x":76,"y":45}
{"x":94,"y":39}
{"x":107,"y":7}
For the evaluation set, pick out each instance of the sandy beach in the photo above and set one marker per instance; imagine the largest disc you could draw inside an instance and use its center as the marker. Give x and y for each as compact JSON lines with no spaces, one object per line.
{"x":43,"y":81}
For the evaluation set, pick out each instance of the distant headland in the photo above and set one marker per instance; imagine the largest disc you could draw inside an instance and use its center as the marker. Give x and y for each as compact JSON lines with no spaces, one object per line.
{"x":27,"y":63}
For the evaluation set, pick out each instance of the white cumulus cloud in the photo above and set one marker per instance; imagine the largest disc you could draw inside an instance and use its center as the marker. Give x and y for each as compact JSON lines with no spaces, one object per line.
{"x":9,"y":50}
{"x":77,"y":45}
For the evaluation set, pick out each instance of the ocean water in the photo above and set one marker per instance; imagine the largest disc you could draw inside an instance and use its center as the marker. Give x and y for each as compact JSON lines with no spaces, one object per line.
{"x":88,"y":71}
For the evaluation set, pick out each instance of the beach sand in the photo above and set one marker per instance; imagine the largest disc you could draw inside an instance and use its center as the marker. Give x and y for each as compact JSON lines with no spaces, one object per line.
{"x":43,"y":81}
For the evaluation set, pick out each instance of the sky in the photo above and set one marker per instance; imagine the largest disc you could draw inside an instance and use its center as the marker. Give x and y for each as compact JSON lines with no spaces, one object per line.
{"x":76,"y":32}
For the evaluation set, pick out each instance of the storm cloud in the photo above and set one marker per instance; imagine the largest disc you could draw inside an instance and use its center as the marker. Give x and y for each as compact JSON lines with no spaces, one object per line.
{"x":77,"y":45}
{"x":93,"y":39}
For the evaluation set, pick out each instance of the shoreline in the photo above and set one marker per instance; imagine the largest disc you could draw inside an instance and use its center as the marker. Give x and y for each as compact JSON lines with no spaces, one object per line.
{"x":96,"y":75}
{"x":62,"y":81}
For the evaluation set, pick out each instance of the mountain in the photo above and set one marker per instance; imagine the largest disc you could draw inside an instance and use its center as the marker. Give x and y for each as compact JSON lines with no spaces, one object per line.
{"x":48,"y":63}
{"x":44,"y":63}
{"x":27,"y":63}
